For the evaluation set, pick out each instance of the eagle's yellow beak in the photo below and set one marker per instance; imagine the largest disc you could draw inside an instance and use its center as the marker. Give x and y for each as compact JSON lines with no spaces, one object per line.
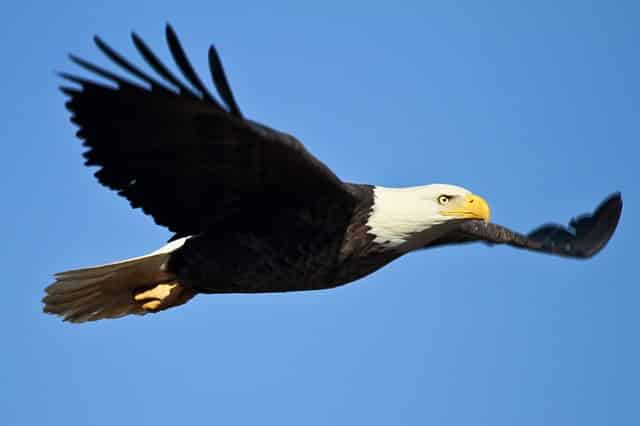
{"x":471,"y":207}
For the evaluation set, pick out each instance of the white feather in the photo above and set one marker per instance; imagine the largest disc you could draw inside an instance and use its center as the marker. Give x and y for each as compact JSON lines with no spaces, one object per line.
{"x":106,"y":291}
{"x":406,"y":218}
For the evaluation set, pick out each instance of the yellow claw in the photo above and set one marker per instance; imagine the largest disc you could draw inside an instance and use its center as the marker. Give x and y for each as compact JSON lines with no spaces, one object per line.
{"x":163,"y":296}
{"x":160,"y":291}
{"x":151,"y":306}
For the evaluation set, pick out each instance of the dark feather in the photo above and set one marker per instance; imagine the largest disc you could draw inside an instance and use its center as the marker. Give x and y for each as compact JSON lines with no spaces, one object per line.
{"x":220,"y":80}
{"x":100,"y":71}
{"x":115,"y":57}
{"x":582,"y":238}
{"x":183,"y":158}
{"x":184,"y":64}
{"x":159,"y":67}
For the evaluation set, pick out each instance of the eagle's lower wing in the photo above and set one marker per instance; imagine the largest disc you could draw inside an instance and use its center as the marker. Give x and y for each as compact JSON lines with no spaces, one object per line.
{"x":585,"y":236}
{"x":183,"y":157}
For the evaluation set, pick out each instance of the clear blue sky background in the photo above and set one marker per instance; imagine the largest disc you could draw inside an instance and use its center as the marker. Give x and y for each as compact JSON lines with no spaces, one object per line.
{"x":533,"y":106}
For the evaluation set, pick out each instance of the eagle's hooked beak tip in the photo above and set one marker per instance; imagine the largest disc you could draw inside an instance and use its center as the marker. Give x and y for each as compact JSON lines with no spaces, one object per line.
{"x":478,"y":207}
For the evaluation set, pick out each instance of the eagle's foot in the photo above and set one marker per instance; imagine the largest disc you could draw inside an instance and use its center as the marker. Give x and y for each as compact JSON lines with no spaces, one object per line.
{"x":163,"y":296}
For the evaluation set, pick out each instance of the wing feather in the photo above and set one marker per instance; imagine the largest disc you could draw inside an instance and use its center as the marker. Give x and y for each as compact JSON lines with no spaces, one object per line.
{"x":122,"y":62}
{"x":159,"y":67}
{"x":182,"y":157}
{"x":99,"y":71}
{"x":185,"y":66}
{"x":221,"y":82}
{"x":585,"y":235}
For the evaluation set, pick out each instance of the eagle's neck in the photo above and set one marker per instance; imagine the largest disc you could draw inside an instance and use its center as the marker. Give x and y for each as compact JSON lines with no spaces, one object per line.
{"x":402,"y":220}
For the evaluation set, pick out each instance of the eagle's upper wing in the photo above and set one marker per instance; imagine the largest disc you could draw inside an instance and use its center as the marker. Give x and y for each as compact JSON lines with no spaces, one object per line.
{"x":585,"y":236}
{"x":183,"y":157}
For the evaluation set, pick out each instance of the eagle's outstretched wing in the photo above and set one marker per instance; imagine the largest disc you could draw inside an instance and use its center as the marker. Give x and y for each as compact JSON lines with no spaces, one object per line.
{"x":183,"y":157}
{"x":585,"y":236}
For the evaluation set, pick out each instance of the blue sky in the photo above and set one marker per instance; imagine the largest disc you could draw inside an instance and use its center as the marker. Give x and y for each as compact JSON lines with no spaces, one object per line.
{"x":534,"y":106}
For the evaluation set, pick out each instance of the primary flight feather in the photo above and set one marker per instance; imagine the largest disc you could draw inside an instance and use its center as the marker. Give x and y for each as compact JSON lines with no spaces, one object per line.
{"x":252,"y":210}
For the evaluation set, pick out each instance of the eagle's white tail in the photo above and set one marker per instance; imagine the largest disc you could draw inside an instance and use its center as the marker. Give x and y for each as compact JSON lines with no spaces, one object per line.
{"x":133,"y":286}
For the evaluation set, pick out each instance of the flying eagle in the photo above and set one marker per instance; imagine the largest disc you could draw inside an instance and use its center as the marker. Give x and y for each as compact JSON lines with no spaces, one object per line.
{"x":252,"y":210}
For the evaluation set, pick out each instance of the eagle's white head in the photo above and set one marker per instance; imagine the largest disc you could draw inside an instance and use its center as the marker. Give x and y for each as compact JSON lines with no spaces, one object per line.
{"x":408,"y":218}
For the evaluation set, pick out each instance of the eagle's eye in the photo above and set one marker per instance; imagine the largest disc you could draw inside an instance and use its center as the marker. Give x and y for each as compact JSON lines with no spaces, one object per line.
{"x":443,"y":199}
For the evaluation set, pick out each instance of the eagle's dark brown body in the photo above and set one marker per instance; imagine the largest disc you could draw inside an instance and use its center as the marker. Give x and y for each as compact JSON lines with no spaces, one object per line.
{"x":310,"y":247}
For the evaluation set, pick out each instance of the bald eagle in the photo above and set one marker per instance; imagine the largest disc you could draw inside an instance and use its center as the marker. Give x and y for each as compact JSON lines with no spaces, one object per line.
{"x":252,"y":210}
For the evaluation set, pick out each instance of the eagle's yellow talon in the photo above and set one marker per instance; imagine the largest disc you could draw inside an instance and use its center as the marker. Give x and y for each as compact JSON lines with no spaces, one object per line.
{"x":158,"y":292}
{"x":151,"y":306}
{"x":162,"y":296}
